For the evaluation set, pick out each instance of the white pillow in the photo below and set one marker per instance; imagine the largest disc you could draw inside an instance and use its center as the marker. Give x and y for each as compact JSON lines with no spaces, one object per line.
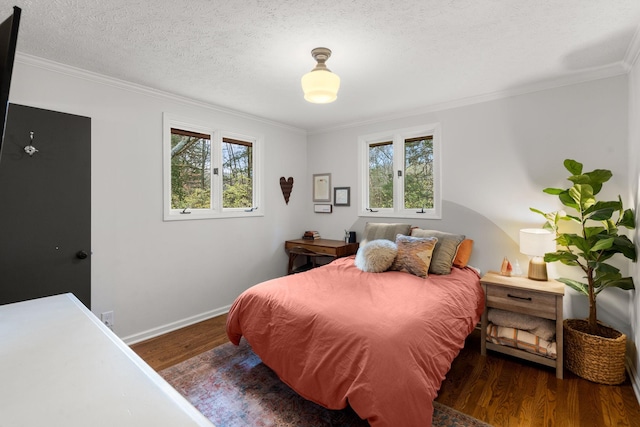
{"x":376,"y":256}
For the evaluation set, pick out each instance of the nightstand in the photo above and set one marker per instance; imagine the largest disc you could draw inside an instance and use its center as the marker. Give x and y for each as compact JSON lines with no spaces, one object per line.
{"x":523,"y":295}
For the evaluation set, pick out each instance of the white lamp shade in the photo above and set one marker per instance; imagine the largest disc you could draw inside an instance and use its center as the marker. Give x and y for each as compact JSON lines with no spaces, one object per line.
{"x":536,"y":241}
{"x":320,"y":86}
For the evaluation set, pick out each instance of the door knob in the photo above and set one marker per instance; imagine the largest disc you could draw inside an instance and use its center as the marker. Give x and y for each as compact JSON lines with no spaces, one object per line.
{"x":81,"y":255}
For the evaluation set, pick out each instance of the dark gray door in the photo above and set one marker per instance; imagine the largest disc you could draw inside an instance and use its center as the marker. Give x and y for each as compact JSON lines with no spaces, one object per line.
{"x":45,"y":206}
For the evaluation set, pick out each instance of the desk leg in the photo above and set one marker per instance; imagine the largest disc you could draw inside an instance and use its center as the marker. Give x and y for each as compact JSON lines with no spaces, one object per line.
{"x":292,"y":258}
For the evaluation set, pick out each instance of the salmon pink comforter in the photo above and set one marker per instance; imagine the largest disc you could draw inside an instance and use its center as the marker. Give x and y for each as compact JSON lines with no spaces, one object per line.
{"x":380,"y":342}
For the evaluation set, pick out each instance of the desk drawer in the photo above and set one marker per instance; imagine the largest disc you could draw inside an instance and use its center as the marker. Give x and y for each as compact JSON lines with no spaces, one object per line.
{"x":329,"y":251}
{"x":522,"y":301}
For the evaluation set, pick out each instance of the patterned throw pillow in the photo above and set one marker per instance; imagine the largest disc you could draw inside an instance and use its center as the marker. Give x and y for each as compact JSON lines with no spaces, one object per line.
{"x":414,"y":254}
{"x":376,"y":256}
{"x":445,"y":250}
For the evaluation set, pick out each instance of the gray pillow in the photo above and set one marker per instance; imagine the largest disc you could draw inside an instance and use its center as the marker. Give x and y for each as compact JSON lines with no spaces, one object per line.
{"x":383,"y":230}
{"x":445,"y":251}
{"x":376,"y":256}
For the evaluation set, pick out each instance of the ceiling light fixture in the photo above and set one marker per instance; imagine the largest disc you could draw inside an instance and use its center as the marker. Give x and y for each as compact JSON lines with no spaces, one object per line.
{"x":320,"y":85}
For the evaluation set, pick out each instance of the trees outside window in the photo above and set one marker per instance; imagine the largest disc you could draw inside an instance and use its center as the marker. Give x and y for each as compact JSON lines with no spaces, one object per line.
{"x":237,"y":177}
{"x":401,"y":173}
{"x":209,"y":173}
{"x":190,"y":170}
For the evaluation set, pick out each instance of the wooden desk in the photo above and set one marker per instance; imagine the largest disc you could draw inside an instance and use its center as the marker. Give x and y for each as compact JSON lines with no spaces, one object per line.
{"x":327,"y":247}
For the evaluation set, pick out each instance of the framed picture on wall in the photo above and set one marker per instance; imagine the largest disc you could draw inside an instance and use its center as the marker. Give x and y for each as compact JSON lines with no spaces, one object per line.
{"x":342,"y":196}
{"x":322,"y":208}
{"x":322,"y":187}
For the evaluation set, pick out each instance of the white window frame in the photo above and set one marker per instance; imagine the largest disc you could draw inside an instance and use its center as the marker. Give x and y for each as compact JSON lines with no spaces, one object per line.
{"x":216,"y":211}
{"x":398,"y":138}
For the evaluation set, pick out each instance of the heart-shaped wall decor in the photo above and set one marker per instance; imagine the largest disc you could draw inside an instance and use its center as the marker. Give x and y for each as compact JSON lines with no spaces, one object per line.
{"x":286,"y":185}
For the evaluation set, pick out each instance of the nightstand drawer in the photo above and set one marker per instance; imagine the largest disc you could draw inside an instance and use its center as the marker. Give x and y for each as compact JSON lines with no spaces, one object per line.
{"x":522,"y":301}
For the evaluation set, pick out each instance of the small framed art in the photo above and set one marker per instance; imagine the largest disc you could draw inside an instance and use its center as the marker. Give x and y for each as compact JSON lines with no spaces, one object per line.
{"x":322,"y":187}
{"x":342,"y":196}
{"x":322,"y":208}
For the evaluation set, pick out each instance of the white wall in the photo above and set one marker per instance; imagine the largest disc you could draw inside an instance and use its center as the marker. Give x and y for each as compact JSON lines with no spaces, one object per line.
{"x":634,"y":195}
{"x":497,"y":157}
{"x":158,"y":275}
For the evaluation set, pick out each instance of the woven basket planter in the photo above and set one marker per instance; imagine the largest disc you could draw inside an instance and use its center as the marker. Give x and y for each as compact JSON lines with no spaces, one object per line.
{"x":596,"y":358}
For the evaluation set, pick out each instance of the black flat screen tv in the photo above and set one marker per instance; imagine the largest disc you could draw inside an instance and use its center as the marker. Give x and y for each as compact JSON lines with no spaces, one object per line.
{"x":8,"y":41}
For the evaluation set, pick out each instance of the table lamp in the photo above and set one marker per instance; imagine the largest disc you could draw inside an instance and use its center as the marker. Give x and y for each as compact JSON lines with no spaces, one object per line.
{"x":535,"y":242}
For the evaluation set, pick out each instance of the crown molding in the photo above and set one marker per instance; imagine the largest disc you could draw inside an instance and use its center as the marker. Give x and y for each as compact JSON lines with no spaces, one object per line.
{"x":599,"y":73}
{"x":68,"y":70}
{"x":622,"y":67}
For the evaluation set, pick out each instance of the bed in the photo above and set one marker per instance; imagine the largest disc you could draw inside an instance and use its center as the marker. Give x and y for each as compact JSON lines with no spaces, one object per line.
{"x":379,"y":342}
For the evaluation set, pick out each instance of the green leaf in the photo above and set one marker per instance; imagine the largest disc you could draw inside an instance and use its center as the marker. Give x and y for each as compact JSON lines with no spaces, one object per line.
{"x":601,"y":214}
{"x":578,"y":286}
{"x":567,"y":200}
{"x":580,"y":179}
{"x":575,"y":168}
{"x":601,"y":279}
{"x":582,"y":194}
{"x":612,"y":229}
{"x":599,"y":176}
{"x":593,"y":179}
{"x":625,"y":283}
{"x":553,"y":191}
{"x":627,"y":220}
{"x":602,"y":268}
{"x":593,"y":231}
{"x":623,"y":245}
{"x":537,"y":211}
{"x":575,"y":240}
{"x":572,"y":218}
{"x":601,"y":211}
{"x":602,"y":244}
{"x":561,"y":240}
{"x":564,"y":257}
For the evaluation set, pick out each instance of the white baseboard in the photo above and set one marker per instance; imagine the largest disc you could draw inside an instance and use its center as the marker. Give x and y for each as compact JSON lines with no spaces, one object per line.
{"x":154,"y":332}
{"x":633,"y":376}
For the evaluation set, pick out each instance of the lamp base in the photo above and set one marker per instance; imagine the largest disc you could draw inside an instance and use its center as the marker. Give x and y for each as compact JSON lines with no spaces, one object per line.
{"x":538,"y":269}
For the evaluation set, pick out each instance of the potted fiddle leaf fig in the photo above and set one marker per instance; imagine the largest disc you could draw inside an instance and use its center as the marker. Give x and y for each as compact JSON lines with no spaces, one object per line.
{"x":592,"y":350}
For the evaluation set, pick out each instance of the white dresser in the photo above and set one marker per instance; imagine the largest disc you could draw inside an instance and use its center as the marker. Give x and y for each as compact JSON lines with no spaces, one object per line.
{"x":60,"y":366}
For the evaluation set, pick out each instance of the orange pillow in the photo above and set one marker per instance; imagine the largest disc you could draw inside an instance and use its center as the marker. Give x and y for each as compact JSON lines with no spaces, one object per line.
{"x":463,"y":253}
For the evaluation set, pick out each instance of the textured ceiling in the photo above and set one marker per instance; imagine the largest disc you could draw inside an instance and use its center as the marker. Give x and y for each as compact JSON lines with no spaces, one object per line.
{"x":393,"y":57}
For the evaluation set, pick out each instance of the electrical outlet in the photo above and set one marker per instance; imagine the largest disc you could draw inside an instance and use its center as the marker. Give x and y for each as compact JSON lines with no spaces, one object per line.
{"x":107,"y":319}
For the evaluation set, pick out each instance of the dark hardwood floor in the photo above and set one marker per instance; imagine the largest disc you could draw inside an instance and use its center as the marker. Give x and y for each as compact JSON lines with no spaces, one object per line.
{"x":498,"y":389}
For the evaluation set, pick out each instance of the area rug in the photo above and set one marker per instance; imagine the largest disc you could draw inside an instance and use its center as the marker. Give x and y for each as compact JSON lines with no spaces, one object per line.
{"x":233,"y":388}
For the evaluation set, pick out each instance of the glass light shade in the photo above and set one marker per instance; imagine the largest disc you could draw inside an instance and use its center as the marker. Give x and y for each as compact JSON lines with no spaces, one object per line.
{"x":320,"y":86}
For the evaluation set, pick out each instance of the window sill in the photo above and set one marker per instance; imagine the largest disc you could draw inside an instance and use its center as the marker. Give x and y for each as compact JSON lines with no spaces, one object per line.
{"x":177,"y":216}
{"x":387,"y":214}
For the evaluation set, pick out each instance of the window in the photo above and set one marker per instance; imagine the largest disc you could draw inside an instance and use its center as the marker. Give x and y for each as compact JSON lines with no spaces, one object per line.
{"x":190,"y":169}
{"x":400,"y":173}
{"x":209,"y":173}
{"x":237,"y":173}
